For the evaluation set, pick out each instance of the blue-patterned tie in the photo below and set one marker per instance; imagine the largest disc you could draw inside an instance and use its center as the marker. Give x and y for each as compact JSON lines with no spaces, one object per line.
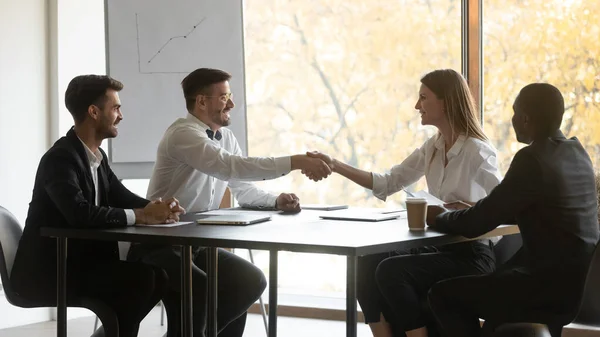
{"x":211,"y":134}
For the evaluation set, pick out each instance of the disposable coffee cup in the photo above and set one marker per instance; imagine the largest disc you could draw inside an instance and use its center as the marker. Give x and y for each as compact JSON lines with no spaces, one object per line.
{"x":416,"y":209}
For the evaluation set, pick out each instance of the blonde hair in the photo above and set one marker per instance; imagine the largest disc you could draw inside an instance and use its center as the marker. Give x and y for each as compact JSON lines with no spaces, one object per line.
{"x":598,"y":192}
{"x":459,"y":105}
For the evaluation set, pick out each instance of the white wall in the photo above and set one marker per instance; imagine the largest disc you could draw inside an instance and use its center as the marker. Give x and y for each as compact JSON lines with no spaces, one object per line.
{"x":24,"y":131}
{"x":43,"y":45}
{"x":80,"y":47}
{"x":79,"y":50}
{"x":23,"y":100}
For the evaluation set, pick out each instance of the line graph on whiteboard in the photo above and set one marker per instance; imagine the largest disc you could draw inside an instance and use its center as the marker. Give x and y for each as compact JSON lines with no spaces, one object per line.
{"x":147,"y":60}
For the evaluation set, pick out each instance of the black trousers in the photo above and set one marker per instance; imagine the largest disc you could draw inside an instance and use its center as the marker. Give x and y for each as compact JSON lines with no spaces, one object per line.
{"x":509,"y":295}
{"x":396,"y":284}
{"x":130,"y":289}
{"x":239,"y":285}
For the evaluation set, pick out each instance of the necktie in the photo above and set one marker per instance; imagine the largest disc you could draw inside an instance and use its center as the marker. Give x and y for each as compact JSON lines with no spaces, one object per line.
{"x":211,"y":134}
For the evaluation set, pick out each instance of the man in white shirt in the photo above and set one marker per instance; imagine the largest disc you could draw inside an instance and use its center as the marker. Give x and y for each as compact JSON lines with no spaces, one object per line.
{"x":197,"y":159}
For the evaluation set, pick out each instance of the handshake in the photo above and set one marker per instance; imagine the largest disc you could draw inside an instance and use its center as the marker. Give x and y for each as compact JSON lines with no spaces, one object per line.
{"x":314,"y":165}
{"x":159,"y":212}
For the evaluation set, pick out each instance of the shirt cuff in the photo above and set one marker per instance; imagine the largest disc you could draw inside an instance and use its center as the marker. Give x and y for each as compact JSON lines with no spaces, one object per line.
{"x":379,"y":186}
{"x":271,"y":200}
{"x":130,"y":214}
{"x":283,"y":166}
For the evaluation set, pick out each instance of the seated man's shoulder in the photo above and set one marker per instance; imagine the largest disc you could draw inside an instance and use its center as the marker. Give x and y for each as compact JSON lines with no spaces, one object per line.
{"x":61,"y":155}
{"x":527,"y":153}
{"x":526,"y":159}
{"x":60,"y":150}
{"x":183,"y":127}
{"x":552,"y":147}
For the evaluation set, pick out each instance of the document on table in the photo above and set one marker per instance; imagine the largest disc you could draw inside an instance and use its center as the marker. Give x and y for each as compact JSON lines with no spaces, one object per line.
{"x":165,"y":225}
{"x":323,"y":207}
{"x":431,"y":200}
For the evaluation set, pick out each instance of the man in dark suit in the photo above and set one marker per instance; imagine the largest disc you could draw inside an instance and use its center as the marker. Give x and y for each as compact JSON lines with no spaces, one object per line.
{"x":549,"y":191}
{"x":75,"y":187}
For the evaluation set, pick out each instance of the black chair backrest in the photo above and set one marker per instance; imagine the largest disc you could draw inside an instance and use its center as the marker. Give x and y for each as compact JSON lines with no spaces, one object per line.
{"x":589,"y":310}
{"x":10,"y":234}
{"x":507,"y":247}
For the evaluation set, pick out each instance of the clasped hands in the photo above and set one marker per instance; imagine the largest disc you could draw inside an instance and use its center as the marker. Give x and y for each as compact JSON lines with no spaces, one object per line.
{"x":159,"y":211}
{"x":315,"y":165}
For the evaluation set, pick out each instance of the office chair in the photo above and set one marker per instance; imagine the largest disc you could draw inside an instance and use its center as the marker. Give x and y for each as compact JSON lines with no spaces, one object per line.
{"x":10,"y":233}
{"x":587,"y":313}
{"x":546,"y":323}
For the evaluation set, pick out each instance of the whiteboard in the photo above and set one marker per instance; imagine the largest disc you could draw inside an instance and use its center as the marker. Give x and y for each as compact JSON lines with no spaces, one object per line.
{"x":151,"y":45}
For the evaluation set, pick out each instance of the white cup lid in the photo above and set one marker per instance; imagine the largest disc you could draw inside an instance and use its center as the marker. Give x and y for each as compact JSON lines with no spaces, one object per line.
{"x":415,"y":200}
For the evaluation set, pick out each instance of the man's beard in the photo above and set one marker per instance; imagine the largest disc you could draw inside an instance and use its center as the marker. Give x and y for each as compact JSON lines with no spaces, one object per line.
{"x":218,"y":119}
{"x":106,"y":130}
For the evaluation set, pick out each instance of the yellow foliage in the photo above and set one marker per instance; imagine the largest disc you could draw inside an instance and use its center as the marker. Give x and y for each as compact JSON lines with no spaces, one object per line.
{"x":342,"y":76}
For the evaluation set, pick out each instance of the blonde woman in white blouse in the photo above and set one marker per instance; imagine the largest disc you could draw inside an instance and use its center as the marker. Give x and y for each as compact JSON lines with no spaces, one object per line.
{"x":458,"y":164}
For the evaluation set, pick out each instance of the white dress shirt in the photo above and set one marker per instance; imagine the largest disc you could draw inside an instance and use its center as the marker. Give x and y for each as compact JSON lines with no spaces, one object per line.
{"x":196,"y":169}
{"x":471,"y":172}
{"x":95,"y":158}
{"x":470,"y":175}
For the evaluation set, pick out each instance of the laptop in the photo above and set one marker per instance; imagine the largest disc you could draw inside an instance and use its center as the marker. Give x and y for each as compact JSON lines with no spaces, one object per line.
{"x":233,"y":219}
{"x":360,"y":216}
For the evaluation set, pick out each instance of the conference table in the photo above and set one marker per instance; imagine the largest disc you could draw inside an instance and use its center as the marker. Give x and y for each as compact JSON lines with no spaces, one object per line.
{"x":300,"y":232}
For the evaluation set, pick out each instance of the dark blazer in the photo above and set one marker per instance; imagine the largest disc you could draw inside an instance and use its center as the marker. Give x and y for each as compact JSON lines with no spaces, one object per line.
{"x":550,"y":191}
{"x":64,"y":196}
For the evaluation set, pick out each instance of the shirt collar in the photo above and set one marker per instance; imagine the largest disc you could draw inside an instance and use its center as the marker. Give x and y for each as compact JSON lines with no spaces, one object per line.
{"x":95,"y":158}
{"x":204,"y":127}
{"x":195,"y":119}
{"x":455,"y":149}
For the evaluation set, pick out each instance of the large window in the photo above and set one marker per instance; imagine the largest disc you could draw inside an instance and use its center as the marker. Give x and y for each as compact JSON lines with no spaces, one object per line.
{"x":341,"y":77}
{"x":552,"y":41}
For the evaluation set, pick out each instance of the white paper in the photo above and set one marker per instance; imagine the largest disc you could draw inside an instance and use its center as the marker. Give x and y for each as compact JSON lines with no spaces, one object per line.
{"x":431,"y":200}
{"x":165,"y":225}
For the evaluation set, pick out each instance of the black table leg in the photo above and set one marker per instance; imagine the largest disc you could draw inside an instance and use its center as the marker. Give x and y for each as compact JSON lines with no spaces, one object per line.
{"x":273,"y":255}
{"x":187,"y":322}
{"x":212,"y":269}
{"x":61,"y":287}
{"x":351,"y":296}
